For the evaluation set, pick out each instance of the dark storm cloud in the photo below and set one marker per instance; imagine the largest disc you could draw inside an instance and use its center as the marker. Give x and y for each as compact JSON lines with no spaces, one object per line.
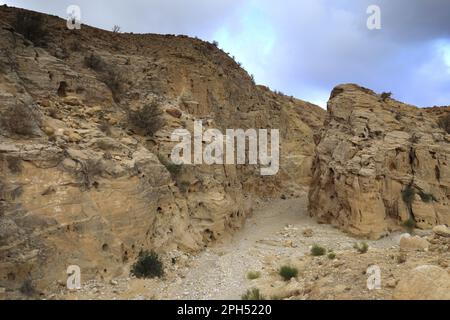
{"x":303,"y":47}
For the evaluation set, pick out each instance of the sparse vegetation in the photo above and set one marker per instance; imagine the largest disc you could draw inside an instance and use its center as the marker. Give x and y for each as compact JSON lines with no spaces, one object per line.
{"x":174,"y":169}
{"x":408,"y":195}
{"x":331,"y":255}
{"x":148,"y":265}
{"x":115,"y":82}
{"x":252,"y":275}
{"x":410,"y":224}
{"x":89,"y":170}
{"x":94,"y":62}
{"x":386,"y":95}
{"x":105,"y":127}
{"x":317,"y":250}
{"x":14,"y":164}
{"x":116,"y":29}
{"x":215,"y":43}
{"x":183,"y":185}
{"x":253,"y":294}
{"x":21,"y":119}
{"x":362,"y":247}
{"x":31,"y":26}
{"x":109,"y":74}
{"x":148,"y":119}
{"x":28,"y":288}
{"x":401,"y":258}
{"x":288,"y":272}
{"x":426,"y":197}
{"x":444,"y":123}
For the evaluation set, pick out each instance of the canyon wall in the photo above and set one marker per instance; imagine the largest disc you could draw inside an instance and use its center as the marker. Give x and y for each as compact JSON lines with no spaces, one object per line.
{"x":380,"y":164}
{"x":85,"y":175}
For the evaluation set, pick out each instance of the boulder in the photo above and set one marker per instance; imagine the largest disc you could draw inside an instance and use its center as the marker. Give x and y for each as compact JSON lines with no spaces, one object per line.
{"x":425,"y":282}
{"x":442,"y":231}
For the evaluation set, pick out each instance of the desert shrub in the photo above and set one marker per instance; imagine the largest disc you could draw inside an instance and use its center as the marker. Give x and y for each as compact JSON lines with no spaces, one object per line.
{"x":148,"y":119}
{"x":31,"y":26}
{"x":386,"y":95}
{"x":410,"y":224}
{"x":115,"y":82}
{"x":21,"y":119}
{"x":174,"y":169}
{"x":89,"y":170}
{"x":28,"y":288}
{"x":148,"y":265}
{"x":116,"y":29}
{"x":362,"y":247}
{"x":105,"y":127}
{"x":408,"y":195}
{"x":109,"y":75}
{"x":288,"y":272}
{"x":216,"y":43}
{"x":253,"y":294}
{"x":14,"y":164}
{"x":317,"y":250}
{"x":426,"y":197}
{"x":401,"y":258}
{"x":444,"y":122}
{"x":331,"y":255}
{"x":94,"y":62}
{"x":183,"y":185}
{"x":252,"y":275}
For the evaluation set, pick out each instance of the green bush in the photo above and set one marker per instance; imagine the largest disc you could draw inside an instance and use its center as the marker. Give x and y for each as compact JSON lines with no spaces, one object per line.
{"x":408,"y":195}
{"x":252,"y":275}
{"x":148,"y":265}
{"x":331,"y":255}
{"x":253,"y":294}
{"x":288,"y":272}
{"x":386,"y":95}
{"x":31,"y":26}
{"x":362,"y":247}
{"x":148,"y":119}
{"x":317,"y":250}
{"x":426,"y":197}
{"x":410,"y":224}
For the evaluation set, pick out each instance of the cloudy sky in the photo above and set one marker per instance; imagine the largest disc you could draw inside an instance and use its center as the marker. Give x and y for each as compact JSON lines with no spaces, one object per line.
{"x":301,"y":47}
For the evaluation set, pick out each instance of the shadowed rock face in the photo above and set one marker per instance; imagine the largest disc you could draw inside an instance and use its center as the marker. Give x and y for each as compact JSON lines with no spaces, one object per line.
{"x":80,"y":184}
{"x":379,"y":164}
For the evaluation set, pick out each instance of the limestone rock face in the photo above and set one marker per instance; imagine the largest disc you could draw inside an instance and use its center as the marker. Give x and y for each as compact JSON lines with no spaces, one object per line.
{"x":380,"y":164}
{"x":424,"y":283}
{"x":80,"y":184}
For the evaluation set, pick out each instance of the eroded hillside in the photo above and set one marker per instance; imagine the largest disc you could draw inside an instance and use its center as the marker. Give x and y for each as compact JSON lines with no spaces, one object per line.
{"x":86,"y":118}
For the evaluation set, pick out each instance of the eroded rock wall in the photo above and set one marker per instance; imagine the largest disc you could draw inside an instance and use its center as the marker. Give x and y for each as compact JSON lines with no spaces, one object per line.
{"x":79,"y":184}
{"x":379,"y":164}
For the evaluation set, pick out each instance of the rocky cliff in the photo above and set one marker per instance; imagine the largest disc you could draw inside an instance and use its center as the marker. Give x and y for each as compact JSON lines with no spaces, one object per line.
{"x":86,"y":117}
{"x":381,"y":164}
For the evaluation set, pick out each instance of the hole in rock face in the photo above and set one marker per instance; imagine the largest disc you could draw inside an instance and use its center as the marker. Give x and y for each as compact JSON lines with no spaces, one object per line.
{"x":105,"y":247}
{"x":62,"y":89}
